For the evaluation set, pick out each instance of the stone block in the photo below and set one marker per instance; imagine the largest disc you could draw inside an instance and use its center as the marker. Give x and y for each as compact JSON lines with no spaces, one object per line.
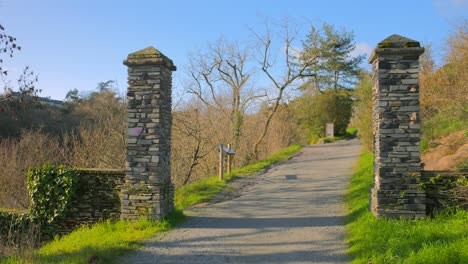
{"x":144,"y":142}
{"x":409,"y":108}
{"x":419,"y":207}
{"x":131,"y":140}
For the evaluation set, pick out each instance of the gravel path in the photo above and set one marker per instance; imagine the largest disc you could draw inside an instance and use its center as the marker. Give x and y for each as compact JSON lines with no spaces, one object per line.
{"x":293,"y":213}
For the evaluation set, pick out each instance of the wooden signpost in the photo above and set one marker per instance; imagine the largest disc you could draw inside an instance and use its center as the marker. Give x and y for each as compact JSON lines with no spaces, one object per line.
{"x":223,"y":152}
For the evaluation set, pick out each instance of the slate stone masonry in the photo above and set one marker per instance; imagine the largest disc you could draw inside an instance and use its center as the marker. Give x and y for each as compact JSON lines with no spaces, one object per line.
{"x":148,"y":191}
{"x":97,"y":198}
{"x":396,"y":192}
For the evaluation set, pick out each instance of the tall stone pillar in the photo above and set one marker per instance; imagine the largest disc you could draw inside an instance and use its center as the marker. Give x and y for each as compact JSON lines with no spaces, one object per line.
{"x":396,"y":192}
{"x":148,"y":191}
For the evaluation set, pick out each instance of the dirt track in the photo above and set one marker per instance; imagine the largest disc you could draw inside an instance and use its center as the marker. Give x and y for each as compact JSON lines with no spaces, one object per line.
{"x":293,"y":214}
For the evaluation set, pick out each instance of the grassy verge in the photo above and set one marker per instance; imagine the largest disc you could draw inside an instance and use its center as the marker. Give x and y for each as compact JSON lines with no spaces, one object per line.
{"x":205,"y":189}
{"x":443,"y":239}
{"x":102,"y":242}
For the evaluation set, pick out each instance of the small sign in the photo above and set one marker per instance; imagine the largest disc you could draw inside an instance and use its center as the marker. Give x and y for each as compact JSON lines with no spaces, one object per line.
{"x":329,"y":132}
{"x":227,"y":150}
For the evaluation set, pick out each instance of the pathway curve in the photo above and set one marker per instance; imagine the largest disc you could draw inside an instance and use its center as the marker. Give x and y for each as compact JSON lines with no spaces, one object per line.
{"x":293,"y":214}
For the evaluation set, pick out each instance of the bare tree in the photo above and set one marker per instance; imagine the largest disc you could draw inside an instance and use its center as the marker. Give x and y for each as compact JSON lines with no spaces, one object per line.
{"x":187,"y":125}
{"x":295,"y":65}
{"x":26,"y":89}
{"x":8,"y":46}
{"x":221,"y":78}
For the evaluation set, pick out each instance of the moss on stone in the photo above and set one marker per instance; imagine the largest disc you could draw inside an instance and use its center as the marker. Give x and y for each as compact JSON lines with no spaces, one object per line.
{"x":149,"y":56}
{"x":411,"y":44}
{"x":385,"y":44}
{"x":397,"y":41}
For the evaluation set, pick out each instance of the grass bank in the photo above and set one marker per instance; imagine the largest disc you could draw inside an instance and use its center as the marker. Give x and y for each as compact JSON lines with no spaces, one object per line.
{"x":103,"y":242}
{"x":100,"y":243}
{"x":443,"y":239}
{"x":442,"y":124}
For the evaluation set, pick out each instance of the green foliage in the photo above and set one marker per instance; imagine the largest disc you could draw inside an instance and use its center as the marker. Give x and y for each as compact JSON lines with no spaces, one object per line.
{"x":51,"y":189}
{"x":314,"y":111}
{"x":362,"y":112}
{"x":197,"y":192}
{"x":10,"y":220}
{"x":444,"y":100}
{"x":442,"y":239}
{"x":12,"y":224}
{"x":334,"y":67}
{"x":442,"y":124}
{"x":447,"y":190}
{"x":351,"y":132}
{"x":103,"y":242}
{"x":37,"y":117}
{"x":385,"y":44}
{"x":463,"y":166}
{"x":73,"y":97}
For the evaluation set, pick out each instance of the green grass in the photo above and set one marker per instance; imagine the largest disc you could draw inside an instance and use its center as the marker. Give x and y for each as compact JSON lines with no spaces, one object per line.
{"x":443,"y":124}
{"x":205,"y":189}
{"x":102,"y":242}
{"x":442,"y":239}
{"x":197,"y":192}
{"x":281,"y":155}
{"x":349,"y":134}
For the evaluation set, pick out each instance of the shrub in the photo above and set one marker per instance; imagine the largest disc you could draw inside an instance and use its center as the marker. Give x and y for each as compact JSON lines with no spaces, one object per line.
{"x":18,"y":232}
{"x":33,"y":149}
{"x":362,"y":113}
{"x":51,"y":190}
{"x":314,"y":111}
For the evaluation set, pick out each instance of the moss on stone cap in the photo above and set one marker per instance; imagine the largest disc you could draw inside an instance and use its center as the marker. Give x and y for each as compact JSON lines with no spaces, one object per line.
{"x":397,"y":41}
{"x":396,"y":45}
{"x":149,"y":56}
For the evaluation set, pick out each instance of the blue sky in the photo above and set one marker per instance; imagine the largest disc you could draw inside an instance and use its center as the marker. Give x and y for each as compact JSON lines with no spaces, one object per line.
{"x":76,"y":44}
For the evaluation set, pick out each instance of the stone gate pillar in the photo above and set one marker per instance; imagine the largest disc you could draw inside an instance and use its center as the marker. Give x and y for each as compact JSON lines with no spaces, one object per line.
{"x":397,"y":169}
{"x":148,"y":191}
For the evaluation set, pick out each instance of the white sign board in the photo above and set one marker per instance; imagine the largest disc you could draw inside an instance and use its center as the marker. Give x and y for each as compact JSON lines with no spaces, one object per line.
{"x":329,"y":130}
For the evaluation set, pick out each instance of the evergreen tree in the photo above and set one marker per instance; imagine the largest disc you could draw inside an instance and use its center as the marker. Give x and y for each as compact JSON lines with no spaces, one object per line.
{"x":334,"y":67}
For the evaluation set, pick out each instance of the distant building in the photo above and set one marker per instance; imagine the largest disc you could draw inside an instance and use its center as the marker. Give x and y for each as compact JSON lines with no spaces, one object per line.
{"x":43,"y":100}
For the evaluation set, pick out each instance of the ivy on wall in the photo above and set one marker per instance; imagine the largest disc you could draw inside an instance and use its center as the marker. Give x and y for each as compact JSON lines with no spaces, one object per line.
{"x":60,"y":199}
{"x":51,"y":190}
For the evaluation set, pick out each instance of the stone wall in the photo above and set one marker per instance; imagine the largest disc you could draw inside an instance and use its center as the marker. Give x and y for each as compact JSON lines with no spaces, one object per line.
{"x":445,"y":189}
{"x":396,"y":121}
{"x":148,"y":191}
{"x":97,"y":198}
